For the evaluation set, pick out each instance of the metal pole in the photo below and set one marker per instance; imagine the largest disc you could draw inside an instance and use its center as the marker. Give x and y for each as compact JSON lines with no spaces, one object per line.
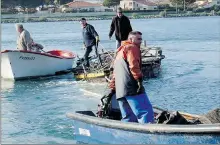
{"x":97,"y":54}
{"x":184,"y":5}
{"x":145,"y":43}
{"x":176,"y":9}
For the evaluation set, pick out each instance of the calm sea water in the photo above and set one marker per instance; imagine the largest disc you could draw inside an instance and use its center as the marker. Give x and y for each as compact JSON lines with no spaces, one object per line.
{"x":33,"y":111}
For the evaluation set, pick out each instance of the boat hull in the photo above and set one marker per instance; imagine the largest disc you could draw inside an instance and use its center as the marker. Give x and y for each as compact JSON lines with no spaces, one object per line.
{"x":90,"y":129}
{"x":20,"y":65}
{"x":90,"y":133}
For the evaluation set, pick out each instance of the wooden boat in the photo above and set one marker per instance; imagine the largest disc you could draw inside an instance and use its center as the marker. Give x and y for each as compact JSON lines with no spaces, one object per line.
{"x":27,"y":64}
{"x":88,"y":128}
{"x":151,"y":62}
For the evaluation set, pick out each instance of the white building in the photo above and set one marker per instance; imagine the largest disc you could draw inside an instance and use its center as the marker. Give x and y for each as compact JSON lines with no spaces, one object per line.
{"x":94,"y":1}
{"x":137,"y":5}
{"x":215,"y":2}
{"x":85,"y":6}
{"x":207,"y":3}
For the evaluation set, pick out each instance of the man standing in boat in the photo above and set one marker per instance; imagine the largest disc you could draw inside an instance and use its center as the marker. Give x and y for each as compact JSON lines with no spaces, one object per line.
{"x":127,"y":82}
{"x":90,"y":38}
{"x":121,"y":26}
{"x":24,"y":40}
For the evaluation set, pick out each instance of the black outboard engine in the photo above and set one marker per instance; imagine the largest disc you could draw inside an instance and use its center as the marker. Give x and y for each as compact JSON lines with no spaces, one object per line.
{"x":108,"y":108}
{"x":37,"y":47}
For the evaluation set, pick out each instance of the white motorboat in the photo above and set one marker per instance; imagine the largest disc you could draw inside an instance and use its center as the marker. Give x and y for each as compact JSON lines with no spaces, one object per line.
{"x":17,"y":64}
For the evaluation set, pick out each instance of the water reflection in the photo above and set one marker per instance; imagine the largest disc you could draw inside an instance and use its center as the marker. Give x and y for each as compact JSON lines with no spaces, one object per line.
{"x":7,"y":85}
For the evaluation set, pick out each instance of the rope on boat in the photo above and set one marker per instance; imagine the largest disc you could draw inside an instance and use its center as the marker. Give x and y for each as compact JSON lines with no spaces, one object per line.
{"x":106,"y":51}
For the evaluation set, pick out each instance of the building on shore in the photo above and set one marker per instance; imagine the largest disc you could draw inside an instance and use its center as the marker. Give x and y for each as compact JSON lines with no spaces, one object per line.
{"x":94,"y":1}
{"x":84,"y":6}
{"x":216,"y":2}
{"x":138,"y":5}
{"x":206,"y":3}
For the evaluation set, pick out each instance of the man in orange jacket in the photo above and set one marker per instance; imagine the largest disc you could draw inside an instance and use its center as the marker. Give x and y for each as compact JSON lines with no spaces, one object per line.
{"x":127,"y":82}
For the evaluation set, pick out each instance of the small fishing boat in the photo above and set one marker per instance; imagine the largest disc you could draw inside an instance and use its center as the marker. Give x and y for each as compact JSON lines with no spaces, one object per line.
{"x":185,"y":128}
{"x":17,"y":64}
{"x":100,"y":69}
{"x":88,"y":128}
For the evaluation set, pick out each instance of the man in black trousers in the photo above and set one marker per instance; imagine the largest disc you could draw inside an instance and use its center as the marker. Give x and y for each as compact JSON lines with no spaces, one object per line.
{"x":121,"y":26}
{"x":90,"y":38}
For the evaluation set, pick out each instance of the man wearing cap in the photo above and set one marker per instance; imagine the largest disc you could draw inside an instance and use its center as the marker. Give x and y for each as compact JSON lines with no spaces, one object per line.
{"x":24,"y":41}
{"x":90,"y":38}
{"x":121,"y":26}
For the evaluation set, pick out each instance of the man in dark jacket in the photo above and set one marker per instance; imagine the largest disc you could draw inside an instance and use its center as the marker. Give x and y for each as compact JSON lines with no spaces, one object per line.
{"x":127,"y":82}
{"x":121,"y":26}
{"x":90,"y":38}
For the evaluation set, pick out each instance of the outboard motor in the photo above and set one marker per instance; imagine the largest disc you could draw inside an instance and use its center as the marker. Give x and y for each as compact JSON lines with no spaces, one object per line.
{"x":109,"y":108}
{"x":37,"y":47}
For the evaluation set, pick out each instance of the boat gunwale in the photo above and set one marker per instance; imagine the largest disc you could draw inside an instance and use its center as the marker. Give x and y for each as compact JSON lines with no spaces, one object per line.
{"x":147,"y":128}
{"x":45,"y":54}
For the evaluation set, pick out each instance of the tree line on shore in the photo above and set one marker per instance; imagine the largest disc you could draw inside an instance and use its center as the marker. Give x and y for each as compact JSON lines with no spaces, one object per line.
{"x":35,"y":3}
{"x":31,"y":3}
{"x":176,"y":5}
{"x":107,"y":3}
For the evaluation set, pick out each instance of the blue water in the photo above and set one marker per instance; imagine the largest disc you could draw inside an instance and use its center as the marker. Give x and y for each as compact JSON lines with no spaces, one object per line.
{"x":33,"y":111}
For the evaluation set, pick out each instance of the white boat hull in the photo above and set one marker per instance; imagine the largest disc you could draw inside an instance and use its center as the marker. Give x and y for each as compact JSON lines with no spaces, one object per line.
{"x":19,"y":65}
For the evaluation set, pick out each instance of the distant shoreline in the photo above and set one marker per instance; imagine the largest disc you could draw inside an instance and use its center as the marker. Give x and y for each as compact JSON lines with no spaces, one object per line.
{"x":51,"y":18}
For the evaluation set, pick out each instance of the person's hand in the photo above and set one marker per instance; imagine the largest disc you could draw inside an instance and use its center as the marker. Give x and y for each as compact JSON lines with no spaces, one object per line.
{"x":97,"y":39}
{"x":140,"y":86}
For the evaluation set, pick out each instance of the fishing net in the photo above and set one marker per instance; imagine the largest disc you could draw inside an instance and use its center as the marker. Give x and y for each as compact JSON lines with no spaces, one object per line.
{"x":102,"y":65}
